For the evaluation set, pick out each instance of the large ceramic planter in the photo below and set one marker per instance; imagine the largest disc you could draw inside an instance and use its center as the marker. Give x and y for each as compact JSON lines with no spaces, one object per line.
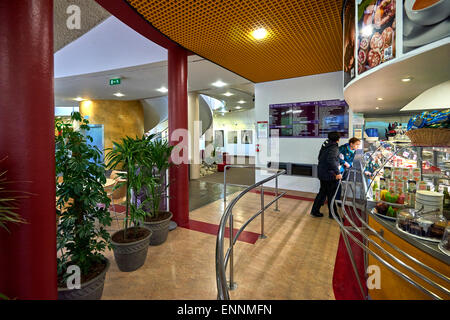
{"x":91,"y":290}
{"x":160,"y":229}
{"x":130,"y":256}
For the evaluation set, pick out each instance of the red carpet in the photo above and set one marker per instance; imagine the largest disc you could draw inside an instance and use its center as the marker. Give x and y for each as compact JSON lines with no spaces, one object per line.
{"x":288,"y":196}
{"x":345,"y":285}
{"x":245,"y":236}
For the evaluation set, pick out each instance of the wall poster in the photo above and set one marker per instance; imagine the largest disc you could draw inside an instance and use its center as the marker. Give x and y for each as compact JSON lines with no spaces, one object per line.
{"x":424,"y":21}
{"x":376,"y":33}
{"x":218,"y":138}
{"x":246,"y":136}
{"x":232,"y":137}
{"x":313,"y":119}
{"x":262,"y":129}
{"x":349,"y":42}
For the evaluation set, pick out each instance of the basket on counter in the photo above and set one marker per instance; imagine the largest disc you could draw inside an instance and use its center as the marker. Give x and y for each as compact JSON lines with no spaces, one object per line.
{"x":432,"y":137}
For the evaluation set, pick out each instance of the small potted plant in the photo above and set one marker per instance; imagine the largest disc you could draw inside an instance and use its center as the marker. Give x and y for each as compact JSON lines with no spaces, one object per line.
{"x":158,"y":220}
{"x":82,"y":210}
{"x":131,"y":243}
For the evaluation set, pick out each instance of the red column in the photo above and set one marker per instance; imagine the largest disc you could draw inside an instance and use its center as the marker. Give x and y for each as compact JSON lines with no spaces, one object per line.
{"x":28,"y":253}
{"x":178,"y":119}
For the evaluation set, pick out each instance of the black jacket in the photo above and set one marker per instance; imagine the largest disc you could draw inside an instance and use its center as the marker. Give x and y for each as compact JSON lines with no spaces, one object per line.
{"x":328,"y":166}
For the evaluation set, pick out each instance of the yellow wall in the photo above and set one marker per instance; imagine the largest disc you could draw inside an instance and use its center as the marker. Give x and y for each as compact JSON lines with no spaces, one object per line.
{"x":119,"y":118}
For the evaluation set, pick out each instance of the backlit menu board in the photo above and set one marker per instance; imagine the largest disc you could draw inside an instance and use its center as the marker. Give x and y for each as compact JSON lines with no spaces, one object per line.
{"x":313,"y":119}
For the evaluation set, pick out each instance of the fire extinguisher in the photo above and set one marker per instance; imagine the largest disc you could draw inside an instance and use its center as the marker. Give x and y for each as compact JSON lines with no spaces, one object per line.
{"x":257,"y":148}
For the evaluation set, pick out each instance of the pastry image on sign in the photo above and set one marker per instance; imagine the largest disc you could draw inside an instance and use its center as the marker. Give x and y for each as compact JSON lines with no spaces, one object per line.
{"x":376,"y":33}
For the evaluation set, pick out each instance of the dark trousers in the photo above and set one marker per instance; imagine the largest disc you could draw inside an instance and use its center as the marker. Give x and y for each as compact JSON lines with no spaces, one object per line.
{"x":327,"y":190}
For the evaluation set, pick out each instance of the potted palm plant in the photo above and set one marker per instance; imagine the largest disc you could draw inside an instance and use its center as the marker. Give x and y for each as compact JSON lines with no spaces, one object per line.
{"x":156,"y":219}
{"x":82,"y":210}
{"x":131,"y":243}
{"x":8,"y":207}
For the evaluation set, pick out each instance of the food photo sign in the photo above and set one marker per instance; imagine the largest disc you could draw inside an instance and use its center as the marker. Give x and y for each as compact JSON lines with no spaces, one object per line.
{"x":376,"y":33}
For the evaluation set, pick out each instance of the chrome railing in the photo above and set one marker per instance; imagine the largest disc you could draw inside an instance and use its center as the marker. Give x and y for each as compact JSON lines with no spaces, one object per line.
{"x":222,"y":259}
{"x":347,"y":232}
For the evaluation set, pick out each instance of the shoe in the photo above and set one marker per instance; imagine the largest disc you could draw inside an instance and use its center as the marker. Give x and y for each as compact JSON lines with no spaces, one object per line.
{"x":338,"y":217}
{"x":318,"y":214}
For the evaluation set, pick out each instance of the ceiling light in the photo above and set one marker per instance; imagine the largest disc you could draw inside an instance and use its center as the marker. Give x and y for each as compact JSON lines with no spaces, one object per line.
{"x":407,"y":79}
{"x":162,"y":89}
{"x":228,"y":94}
{"x":379,"y":99}
{"x":238,"y":107}
{"x":118,"y":94}
{"x":219,"y":84}
{"x":241,"y":102}
{"x":377,"y":108}
{"x":79,"y":99}
{"x":259,"y":34}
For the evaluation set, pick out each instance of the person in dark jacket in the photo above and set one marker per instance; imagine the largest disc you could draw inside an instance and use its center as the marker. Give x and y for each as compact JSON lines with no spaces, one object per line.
{"x":329,"y":173}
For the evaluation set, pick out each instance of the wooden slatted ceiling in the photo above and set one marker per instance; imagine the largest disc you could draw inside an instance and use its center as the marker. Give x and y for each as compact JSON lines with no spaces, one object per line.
{"x":305,"y":36}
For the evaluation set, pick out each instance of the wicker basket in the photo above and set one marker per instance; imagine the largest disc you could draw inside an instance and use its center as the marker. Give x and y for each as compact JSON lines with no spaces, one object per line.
{"x":437,"y":137}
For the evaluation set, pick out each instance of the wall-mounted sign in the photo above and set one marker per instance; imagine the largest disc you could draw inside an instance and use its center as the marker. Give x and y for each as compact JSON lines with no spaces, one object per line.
{"x":114,"y":81}
{"x":262,"y":129}
{"x":313,"y":119}
{"x":376,"y":33}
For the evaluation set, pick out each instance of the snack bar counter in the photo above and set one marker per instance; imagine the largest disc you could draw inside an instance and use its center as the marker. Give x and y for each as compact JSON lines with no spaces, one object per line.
{"x":400,"y":192}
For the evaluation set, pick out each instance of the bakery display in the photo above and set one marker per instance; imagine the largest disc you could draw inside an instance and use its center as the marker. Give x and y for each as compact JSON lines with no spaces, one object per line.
{"x":425,"y":226}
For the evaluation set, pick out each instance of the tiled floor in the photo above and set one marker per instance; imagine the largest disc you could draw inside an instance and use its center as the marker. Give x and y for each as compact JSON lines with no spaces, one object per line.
{"x":296,"y":261}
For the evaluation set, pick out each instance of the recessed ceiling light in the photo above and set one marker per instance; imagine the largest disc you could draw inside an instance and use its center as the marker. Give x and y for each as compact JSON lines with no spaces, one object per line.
{"x":163,"y":89}
{"x":377,"y":108}
{"x":219,"y":84}
{"x":379,"y":99}
{"x":238,"y":107}
{"x":228,"y":94}
{"x":259,"y":34}
{"x":118,"y":94}
{"x":79,"y":99}
{"x":241,"y":102}
{"x":407,"y":79}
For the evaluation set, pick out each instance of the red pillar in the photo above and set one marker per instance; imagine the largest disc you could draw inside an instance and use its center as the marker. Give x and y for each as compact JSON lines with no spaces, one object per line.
{"x":178,"y":119}
{"x":28,"y":253}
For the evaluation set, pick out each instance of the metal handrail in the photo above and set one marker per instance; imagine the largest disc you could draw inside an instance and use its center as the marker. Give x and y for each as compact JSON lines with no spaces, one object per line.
{"x":345,"y":232}
{"x":221,"y":261}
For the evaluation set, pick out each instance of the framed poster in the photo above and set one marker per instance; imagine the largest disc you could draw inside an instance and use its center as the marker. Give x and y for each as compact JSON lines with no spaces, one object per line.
{"x":424,"y":22}
{"x":232,"y":137}
{"x":246,"y":136}
{"x":376,"y":33}
{"x":349,"y":42}
{"x":218,"y":138}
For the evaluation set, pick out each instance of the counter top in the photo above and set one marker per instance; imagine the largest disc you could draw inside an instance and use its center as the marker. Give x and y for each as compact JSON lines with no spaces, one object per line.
{"x":427,"y":246}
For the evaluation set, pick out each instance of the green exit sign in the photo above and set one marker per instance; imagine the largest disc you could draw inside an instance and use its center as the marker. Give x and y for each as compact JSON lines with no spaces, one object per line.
{"x":113,"y":82}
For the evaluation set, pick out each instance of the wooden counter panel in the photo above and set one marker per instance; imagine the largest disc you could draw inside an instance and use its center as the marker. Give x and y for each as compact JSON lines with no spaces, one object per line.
{"x":393,"y":287}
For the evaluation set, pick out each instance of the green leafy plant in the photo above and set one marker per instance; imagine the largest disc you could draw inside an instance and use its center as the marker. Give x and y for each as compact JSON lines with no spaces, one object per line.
{"x":132,"y":156}
{"x":159,"y":152}
{"x":8,"y":207}
{"x":81,"y":199}
{"x":8,"y":202}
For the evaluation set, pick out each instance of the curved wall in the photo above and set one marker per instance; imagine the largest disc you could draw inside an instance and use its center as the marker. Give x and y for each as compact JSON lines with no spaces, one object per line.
{"x":119,"y":118}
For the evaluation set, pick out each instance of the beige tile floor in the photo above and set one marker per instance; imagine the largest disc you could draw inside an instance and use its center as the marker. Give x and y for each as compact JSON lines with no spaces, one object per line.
{"x":296,"y":261}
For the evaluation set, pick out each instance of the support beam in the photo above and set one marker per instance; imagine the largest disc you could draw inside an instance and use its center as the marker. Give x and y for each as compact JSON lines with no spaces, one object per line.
{"x":28,"y":253}
{"x":178,"y":119}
